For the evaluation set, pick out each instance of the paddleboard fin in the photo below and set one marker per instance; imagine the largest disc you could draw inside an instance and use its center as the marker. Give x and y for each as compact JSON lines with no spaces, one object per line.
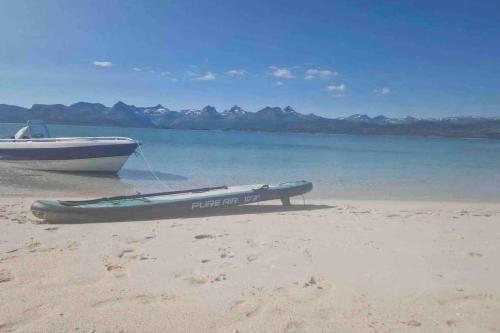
{"x":286,"y":201}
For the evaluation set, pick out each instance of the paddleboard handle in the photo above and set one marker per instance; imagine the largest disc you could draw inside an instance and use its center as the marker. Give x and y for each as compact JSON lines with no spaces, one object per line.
{"x":140,"y":196}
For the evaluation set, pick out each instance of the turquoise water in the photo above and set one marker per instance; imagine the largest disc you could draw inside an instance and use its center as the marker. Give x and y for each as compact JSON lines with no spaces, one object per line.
{"x":340,"y":166}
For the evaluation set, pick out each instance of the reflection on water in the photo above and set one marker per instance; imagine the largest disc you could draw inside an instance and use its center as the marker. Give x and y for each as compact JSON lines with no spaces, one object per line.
{"x":128,"y":181}
{"x":30,"y":182}
{"x":144,"y":181}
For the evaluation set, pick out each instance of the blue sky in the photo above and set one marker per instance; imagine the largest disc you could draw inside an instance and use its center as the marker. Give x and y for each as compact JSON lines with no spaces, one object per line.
{"x":333,"y":58}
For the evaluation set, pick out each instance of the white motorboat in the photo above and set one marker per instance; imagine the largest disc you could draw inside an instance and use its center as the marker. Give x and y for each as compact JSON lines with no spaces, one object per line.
{"x":33,"y":148}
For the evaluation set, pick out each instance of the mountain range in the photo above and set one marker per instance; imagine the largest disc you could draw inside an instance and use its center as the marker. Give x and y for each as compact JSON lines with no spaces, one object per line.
{"x":268,"y":119}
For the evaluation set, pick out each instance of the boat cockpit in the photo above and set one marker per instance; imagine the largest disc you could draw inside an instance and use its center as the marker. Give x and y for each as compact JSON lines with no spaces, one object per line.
{"x":34,"y":129}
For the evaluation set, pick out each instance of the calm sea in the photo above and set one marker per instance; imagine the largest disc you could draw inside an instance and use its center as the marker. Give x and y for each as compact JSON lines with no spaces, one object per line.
{"x":340,"y":166}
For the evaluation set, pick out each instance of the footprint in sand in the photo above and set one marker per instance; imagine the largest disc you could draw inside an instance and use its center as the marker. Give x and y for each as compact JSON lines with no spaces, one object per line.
{"x":204,"y":236}
{"x":115,"y":268}
{"x":117,"y":265}
{"x":482,"y":215}
{"x":204,"y":279}
{"x":139,"y":240}
{"x":36,"y":246}
{"x":252,"y":257}
{"x":201,"y":279}
{"x":251,"y":243}
{"x":33,"y":245}
{"x":312,"y":282}
{"x":18,"y":220}
{"x":225,"y":252}
{"x":294,"y":327}
{"x":127,"y":253}
{"x":141,"y":298}
{"x":147,"y":299}
{"x":51,"y":228}
{"x":5,"y":276}
{"x":248,"y":308}
{"x":130,"y":254}
{"x":72,"y":245}
{"x":220,"y":277}
{"x":412,"y":322}
{"x":308,"y":254}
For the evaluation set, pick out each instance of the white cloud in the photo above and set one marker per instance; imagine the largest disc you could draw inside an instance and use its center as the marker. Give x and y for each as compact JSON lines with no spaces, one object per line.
{"x":324,"y":74}
{"x":208,"y":76}
{"x":165,"y":73}
{"x":191,"y":73}
{"x":173,"y":80}
{"x":137,"y":69}
{"x":382,"y":91}
{"x":337,"y":91}
{"x":339,"y":88}
{"x":282,"y":73}
{"x":103,"y":63}
{"x":279,"y":83}
{"x":236,"y":72}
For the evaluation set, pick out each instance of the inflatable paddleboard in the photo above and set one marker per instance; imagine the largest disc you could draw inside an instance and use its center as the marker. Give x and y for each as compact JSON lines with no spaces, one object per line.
{"x":165,"y":204}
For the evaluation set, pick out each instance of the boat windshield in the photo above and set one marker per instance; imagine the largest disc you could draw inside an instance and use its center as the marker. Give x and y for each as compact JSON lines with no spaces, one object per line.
{"x":38,"y":129}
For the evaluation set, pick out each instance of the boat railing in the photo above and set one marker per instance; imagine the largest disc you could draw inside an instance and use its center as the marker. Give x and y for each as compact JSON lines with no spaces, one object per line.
{"x":83,"y":138}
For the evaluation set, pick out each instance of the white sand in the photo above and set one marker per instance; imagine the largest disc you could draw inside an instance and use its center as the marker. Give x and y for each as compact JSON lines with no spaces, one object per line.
{"x":357,"y":266}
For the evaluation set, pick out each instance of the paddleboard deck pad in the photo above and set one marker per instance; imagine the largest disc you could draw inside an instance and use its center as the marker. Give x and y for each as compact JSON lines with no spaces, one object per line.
{"x":165,"y":204}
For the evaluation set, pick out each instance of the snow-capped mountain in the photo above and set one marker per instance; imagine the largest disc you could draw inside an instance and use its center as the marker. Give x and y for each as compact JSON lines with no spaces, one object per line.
{"x":236,"y":118}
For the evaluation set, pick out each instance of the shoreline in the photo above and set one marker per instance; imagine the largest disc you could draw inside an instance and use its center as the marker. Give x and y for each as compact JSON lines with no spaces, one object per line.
{"x":284,"y":131}
{"x":350,"y":265}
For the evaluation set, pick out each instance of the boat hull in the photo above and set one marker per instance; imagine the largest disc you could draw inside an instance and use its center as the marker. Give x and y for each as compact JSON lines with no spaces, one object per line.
{"x":69,"y":155}
{"x":99,"y":164}
{"x":170,"y":206}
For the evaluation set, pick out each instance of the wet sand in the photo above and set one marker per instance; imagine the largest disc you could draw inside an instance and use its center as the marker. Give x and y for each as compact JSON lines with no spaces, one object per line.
{"x":329,"y":266}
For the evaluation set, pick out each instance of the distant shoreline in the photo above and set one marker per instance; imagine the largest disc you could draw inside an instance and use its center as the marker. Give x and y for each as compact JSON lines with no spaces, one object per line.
{"x":268,"y":119}
{"x":273,"y":131}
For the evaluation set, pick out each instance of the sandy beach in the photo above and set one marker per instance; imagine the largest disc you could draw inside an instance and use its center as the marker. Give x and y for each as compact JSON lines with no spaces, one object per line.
{"x":328,"y":266}
{"x":298,"y":166}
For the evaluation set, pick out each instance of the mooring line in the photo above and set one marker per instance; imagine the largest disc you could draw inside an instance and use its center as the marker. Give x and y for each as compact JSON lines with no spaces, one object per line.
{"x":139,"y":151}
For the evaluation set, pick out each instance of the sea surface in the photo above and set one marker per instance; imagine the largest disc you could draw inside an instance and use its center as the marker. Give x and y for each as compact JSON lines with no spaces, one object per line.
{"x":340,"y":166}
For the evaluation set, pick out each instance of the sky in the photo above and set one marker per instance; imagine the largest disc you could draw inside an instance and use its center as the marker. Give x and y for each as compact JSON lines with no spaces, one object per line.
{"x":332,"y":58}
